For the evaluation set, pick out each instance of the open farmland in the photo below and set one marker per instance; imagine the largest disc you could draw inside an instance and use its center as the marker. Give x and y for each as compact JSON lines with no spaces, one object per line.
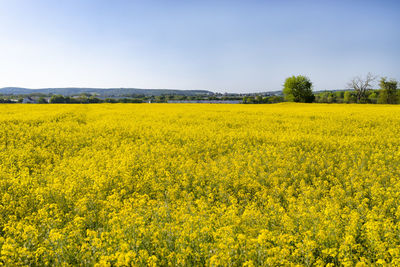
{"x":198,"y":184}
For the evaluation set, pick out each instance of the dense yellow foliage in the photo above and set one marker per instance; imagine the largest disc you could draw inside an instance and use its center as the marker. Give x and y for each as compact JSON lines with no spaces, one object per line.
{"x":193,"y":184}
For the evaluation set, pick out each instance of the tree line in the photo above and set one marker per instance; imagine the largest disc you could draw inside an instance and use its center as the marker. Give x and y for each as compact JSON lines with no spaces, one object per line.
{"x":58,"y":99}
{"x":299,"y":89}
{"x":362,"y":91}
{"x":295,"y":89}
{"x":86,"y":98}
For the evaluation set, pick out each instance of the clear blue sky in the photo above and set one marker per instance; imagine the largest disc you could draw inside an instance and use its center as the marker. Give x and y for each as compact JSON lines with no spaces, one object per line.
{"x":224,"y":46}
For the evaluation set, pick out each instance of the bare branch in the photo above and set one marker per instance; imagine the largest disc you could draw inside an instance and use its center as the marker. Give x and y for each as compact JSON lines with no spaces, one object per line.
{"x":361,"y":86}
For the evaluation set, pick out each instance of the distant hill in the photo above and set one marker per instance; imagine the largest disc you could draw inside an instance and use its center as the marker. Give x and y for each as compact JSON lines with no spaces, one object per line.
{"x":101,"y":92}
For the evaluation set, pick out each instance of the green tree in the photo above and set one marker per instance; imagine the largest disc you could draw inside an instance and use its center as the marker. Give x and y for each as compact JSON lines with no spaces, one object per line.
{"x":325,"y":97}
{"x":57,"y":99}
{"x":339,"y":95}
{"x":373,"y":96}
{"x":388,"y":92}
{"x":275,"y":99}
{"x":349,"y":97}
{"x":42,"y":100}
{"x":298,"y":89}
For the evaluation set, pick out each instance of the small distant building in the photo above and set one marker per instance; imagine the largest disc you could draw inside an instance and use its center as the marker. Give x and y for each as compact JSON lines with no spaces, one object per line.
{"x":29,"y":100}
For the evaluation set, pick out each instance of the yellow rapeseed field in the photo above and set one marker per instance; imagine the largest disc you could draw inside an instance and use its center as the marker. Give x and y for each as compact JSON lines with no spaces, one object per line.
{"x":199,"y":184}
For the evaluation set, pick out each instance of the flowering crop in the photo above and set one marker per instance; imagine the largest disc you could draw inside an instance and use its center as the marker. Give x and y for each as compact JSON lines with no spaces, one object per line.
{"x":193,"y":184}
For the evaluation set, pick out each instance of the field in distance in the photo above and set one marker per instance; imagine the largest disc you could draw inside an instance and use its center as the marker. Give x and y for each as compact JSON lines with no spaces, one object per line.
{"x":199,"y":184}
